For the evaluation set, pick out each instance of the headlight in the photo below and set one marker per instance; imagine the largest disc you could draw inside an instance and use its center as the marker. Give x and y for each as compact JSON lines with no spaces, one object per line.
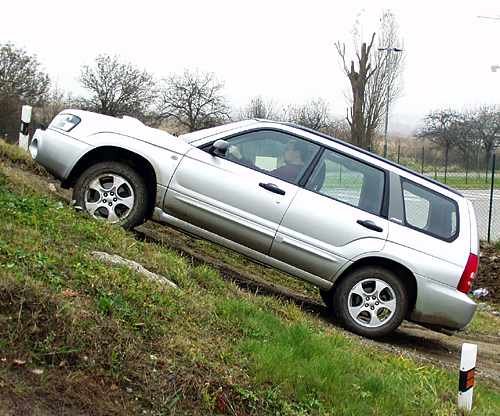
{"x":65,"y":122}
{"x":34,"y":148}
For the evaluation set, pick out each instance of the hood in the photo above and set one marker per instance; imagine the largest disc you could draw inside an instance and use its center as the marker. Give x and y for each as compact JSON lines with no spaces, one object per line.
{"x":94,"y":123}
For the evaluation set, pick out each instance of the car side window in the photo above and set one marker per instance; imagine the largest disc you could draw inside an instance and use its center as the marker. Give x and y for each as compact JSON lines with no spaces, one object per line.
{"x":278,"y":154}
{"x":348,"y":180}
{"x":429,"y":212}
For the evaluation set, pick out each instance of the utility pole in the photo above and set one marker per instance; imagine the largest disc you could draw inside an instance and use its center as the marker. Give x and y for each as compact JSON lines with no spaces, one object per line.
{"x":388,"y":92}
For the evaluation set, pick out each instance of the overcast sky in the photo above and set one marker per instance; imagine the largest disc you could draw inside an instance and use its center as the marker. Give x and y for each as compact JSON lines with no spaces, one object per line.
{"x":279,"y":49}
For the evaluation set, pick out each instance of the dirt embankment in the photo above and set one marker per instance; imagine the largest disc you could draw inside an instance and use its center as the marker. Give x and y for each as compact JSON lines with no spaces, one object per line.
{"x":489,"y":273}
{"x":410,"y":340}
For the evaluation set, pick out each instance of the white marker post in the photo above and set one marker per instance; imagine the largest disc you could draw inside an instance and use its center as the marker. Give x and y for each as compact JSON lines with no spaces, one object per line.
{"x":466,"y":376}
{"x":25,"y":122}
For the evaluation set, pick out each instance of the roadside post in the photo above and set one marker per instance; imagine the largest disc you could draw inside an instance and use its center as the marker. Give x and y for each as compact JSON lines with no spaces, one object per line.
{"x":25,"y":122}
{"x":466,"y":376}
{"x":492,"y":190}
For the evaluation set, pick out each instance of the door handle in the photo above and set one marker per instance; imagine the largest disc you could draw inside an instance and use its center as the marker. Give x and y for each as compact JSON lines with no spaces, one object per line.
{"x":370,"y":225}
{"x":272,"y":188}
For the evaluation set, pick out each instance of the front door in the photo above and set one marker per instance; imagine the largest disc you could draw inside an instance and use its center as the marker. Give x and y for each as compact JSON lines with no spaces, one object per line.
{"x":243,"y":195}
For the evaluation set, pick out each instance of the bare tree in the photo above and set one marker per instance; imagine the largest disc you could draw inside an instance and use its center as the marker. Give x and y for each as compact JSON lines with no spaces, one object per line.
{"x":53,"y":103}
{"x":358,"y":78}
{"x":468,"y":131}
{"x":485,"y":128}
{"x":338,"y":128}
{"x":372,"y":75}
{"x":22,"y":81}
{"x":314,"y":114}
{"x":194,"y":100}
{"x":258,"y":107}
{"x":21,"y":75}
{"x":384,"y":86}
{"x":440,"y":127}
{"x":117,"y":88}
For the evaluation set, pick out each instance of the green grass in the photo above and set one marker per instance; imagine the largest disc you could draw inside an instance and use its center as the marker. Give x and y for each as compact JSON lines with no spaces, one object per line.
{"x":110,"y":342}
{"x":15,"y":155}
{"x":484,"y":323}
{"x":474,"y":180}
{"x":321,"y":371}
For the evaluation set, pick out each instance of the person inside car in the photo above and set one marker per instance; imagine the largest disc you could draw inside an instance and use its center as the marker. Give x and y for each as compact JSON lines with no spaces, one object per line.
{"x":294,"y":156}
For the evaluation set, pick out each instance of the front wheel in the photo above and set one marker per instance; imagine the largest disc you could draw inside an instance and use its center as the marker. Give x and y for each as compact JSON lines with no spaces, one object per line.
{"x":371,"y":301}
{"x":114,"y":192}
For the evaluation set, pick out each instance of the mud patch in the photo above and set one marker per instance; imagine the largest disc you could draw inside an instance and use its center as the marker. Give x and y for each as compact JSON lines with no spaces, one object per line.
{"x":489,"y":273}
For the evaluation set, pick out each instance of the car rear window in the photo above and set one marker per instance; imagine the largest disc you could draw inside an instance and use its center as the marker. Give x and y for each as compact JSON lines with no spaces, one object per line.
{"x":430,"y":212}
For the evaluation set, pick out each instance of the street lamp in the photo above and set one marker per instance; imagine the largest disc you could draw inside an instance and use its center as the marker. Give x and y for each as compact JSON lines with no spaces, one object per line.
{"x":388,"y":52}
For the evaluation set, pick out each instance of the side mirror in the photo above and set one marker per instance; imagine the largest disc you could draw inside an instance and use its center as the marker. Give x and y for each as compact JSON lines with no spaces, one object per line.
{"x":42,"y":126}
{"x":219,"y":148}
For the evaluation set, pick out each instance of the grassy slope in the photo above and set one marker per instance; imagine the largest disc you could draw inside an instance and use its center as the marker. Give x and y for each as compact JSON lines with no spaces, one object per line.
{"x":109,"y":342}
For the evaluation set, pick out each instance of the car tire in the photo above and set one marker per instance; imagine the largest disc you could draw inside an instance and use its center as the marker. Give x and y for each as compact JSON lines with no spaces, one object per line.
{"x":384,"y":301}
{"x":114,"y":187}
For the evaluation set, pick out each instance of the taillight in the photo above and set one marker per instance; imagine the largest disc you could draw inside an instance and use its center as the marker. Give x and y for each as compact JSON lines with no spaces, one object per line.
{"x":469,"y":274}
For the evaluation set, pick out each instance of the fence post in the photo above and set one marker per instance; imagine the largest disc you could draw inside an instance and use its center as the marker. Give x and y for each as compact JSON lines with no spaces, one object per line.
{"x":399,"y":150}
{"x":446,"y":162}
{"x":493,"y":162}
{"x":486,"y":171}
{"x":466,"y":165}
{"x":423,"y":159}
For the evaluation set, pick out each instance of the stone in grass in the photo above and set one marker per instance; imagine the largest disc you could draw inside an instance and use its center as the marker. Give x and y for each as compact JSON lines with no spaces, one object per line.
{"x":115,"y":260}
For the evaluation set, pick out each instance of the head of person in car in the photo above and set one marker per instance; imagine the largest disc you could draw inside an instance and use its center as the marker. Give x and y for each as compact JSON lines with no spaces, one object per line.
{"x":294,"y":156}
{"x":293,"y":153}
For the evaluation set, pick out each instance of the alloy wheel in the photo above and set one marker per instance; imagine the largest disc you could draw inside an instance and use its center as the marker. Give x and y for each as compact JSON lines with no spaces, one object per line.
{"x":371,"y":302}
{"x":109,"y":197}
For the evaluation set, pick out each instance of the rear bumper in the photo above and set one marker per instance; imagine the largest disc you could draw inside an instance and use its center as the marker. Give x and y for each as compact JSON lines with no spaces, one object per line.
{"x":441,"y":305}
{"x":57,"y":152}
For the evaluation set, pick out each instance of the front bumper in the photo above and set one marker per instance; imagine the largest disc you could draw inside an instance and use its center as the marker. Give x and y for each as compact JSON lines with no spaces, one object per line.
{"x":441,"y":305}
{"x":57,"y":152}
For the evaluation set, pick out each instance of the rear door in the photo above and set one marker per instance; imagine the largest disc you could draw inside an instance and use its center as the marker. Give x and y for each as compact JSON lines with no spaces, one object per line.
{"x":335,"y":218}
{"x":243,"y":195}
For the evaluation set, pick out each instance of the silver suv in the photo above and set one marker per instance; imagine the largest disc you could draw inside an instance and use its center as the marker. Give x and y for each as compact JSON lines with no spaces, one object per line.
{"x":381,"y":242}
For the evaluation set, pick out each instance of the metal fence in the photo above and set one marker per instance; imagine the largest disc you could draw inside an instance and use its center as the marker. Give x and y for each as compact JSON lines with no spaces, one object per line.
{"x":475,"y":174}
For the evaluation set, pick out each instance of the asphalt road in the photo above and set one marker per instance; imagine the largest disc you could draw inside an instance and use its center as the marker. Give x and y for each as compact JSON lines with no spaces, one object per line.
{"x":481,"y":201}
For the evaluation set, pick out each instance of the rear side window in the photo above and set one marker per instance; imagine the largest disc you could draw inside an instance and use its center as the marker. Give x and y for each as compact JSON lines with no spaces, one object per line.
{"x":348,"y":180}
{"x":429,"y":211}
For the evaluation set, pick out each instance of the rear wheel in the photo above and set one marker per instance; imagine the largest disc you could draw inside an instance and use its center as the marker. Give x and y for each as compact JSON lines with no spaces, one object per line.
{"x":113,"y":192}
{"x":371,"y":301}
